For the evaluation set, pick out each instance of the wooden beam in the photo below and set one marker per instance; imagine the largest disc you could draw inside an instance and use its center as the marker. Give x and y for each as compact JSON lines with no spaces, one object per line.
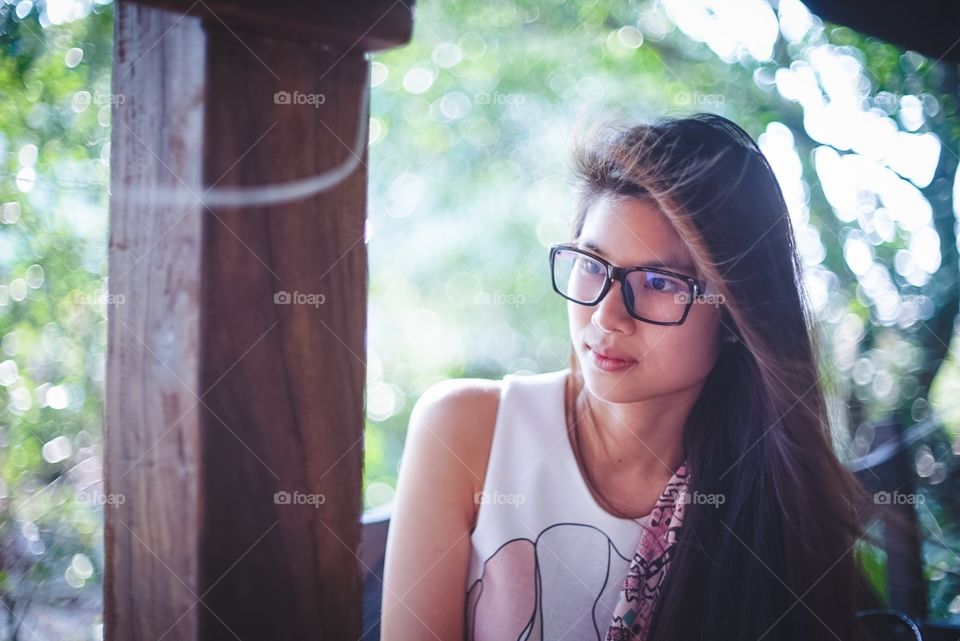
{"x":929,"y":27}
{"x":153,"y":426}
{"x":360,"y":25}
{"x":236,"y":349}
{"x":906,"y":586}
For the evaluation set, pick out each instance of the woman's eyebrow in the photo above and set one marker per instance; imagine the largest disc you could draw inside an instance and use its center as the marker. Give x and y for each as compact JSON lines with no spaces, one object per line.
{"x":670,"y":262}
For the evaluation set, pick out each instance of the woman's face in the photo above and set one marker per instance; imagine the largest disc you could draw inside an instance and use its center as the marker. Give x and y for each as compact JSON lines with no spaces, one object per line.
{"x":665,"y":359}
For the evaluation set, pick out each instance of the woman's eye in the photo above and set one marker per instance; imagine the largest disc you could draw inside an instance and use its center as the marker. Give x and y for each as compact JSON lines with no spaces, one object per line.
{"x":663,"y":284}
{"x":589,"y":267}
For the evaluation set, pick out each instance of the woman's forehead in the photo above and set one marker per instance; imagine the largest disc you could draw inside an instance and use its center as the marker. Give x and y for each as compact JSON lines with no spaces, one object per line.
{"x":633,"y":232}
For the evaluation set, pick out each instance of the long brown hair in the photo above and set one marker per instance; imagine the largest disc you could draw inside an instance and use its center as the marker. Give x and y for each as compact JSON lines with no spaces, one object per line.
{"x":777,"y":559}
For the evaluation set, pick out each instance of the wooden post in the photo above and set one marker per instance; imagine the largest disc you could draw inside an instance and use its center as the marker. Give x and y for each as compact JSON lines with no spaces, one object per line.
{"x":906,"y":585}
{"x":236,"y":356}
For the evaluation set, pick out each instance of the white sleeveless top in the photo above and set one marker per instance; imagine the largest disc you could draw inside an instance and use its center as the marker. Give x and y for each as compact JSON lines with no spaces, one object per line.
{"x":546,"y":562}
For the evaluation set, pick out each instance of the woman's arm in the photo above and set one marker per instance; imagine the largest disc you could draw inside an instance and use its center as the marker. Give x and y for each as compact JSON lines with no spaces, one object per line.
{"x":428,"y":542}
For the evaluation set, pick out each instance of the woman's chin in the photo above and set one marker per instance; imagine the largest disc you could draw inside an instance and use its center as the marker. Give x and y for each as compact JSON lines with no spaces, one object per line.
{"x":610,"y":386}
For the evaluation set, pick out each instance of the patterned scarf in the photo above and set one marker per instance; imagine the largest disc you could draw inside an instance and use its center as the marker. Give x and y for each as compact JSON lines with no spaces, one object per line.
{"x":631,"y":616}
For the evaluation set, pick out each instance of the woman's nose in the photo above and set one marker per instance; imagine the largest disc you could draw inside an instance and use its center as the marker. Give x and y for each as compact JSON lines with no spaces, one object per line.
{"x":610,"y":315}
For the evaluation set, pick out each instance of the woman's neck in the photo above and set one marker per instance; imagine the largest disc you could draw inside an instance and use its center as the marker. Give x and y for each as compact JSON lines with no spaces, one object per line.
{"x":628,"y":451}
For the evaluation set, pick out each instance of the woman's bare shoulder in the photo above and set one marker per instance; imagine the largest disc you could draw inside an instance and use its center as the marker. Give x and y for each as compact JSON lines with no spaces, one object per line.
{"x":457,"y":394}
{"x":462,"y":413}
{"x":428,"y":552}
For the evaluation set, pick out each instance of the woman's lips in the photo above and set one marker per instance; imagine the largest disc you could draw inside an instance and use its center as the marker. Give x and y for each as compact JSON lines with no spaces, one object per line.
{"x":607,"y":363}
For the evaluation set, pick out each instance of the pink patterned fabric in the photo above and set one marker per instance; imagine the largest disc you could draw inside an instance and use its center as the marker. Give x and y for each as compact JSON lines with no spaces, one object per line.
{"x":631,"y":616}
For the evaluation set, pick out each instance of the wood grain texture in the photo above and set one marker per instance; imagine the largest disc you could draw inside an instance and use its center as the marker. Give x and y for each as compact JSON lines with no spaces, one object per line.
{"x":358,"y":26}
{"x":219,"y":396}
{"x":153,"y":424}
{"x":294,"y":403}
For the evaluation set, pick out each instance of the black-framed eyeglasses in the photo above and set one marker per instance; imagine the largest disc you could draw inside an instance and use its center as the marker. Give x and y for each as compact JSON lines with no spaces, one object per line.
{"x":650,"y":294}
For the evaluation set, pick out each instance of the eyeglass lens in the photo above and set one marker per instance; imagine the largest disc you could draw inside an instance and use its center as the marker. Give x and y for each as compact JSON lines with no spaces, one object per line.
{"x":654,"y":296}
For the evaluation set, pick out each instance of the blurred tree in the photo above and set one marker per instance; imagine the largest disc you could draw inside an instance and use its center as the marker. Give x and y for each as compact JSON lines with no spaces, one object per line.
{"x":54,"y":152}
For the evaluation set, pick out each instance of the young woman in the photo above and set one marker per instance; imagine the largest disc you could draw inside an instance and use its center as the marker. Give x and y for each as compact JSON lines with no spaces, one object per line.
{"x":677,"y":481}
